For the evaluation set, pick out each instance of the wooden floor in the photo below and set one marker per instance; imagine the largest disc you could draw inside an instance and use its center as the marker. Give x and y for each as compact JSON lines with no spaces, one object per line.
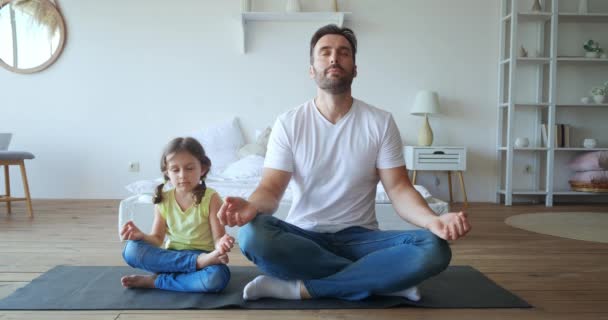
{"x":563,"y":279}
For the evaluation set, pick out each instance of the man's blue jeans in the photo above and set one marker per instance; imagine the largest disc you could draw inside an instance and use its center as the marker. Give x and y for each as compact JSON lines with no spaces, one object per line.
{"x":351,"y":264}
{"x":176,"y":269}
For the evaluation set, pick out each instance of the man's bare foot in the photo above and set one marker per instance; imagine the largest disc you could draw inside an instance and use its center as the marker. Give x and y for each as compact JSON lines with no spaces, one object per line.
{"x":213,"y":257}
{"x":136,"y":281}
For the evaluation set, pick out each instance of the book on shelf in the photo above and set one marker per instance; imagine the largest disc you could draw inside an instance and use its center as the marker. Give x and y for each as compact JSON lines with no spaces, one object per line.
{"x":562,"y":134}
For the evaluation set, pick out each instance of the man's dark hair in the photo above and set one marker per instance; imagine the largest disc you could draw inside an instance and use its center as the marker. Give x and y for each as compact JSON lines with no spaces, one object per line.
{"x":333,"y":29}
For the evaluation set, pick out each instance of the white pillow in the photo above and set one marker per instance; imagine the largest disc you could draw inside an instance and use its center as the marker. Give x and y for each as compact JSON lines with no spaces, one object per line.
{"x":221,"y":143}
{"x":147,"y":186}
{"x":248,"y":167}
{"x":259,"y":147}
{"x":262,"y":136}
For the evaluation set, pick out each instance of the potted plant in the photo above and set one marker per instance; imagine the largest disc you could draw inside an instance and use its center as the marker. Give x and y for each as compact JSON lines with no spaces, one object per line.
{"x":592,"y":49}
{"x":599,"y":94}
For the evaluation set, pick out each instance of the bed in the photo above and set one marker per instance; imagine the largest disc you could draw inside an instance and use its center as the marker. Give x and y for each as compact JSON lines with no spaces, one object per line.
{"x":140,"y":209}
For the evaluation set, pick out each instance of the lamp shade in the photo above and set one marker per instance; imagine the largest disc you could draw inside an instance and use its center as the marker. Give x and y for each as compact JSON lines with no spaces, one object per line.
{"x":427,"y":102}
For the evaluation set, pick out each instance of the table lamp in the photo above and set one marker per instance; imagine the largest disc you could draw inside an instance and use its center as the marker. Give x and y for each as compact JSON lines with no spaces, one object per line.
{"x":427,"y":102}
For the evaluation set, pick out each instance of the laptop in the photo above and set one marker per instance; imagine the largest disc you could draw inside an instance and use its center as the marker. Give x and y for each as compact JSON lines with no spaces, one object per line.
{"x":5,"y":139}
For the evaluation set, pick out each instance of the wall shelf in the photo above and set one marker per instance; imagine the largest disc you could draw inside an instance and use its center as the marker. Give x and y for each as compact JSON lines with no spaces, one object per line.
{"x":581,"y":18}
{"x":524,"y":192}
{"x":581,"y":149}
{"x":581,"y":60}
{"x":535,"y":60}
{"x":531,"y":192}
{"x":525,"y":149}
{"x":534,"y":16}
{"x":578,"y":193}
{"x":330,"y":17}
{"x":583,"y":105}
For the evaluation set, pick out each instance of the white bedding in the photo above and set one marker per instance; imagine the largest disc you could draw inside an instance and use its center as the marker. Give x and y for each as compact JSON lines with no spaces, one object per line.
{"x":140,"y":209}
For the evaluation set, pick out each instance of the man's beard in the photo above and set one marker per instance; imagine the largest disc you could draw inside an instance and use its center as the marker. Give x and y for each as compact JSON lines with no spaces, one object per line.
{"x":334,"y":85}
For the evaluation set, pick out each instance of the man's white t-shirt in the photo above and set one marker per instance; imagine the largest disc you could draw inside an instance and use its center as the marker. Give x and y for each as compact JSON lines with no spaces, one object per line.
{"x":334,"y":166}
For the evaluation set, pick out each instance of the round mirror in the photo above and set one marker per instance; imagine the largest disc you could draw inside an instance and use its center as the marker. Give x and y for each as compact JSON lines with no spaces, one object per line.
{"x":32,"y":34}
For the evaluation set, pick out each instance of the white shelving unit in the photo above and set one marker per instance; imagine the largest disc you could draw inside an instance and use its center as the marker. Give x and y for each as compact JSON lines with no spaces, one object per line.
{"x":545,"y":88}
{"x":330,"y":17}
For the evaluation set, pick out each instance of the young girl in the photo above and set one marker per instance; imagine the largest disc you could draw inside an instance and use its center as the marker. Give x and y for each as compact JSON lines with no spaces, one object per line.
{"x":194,"y":257}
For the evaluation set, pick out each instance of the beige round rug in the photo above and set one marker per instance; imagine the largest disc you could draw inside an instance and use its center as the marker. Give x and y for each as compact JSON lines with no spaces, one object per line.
{"x":588,"y":226}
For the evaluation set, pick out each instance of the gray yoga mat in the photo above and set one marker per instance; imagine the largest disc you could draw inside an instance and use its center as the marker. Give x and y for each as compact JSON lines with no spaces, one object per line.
{"x":99,"y":288}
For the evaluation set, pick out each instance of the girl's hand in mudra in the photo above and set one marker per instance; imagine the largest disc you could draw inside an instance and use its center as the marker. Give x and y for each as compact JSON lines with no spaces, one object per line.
{"x":225,"y":244}
{"x":130,"y":231}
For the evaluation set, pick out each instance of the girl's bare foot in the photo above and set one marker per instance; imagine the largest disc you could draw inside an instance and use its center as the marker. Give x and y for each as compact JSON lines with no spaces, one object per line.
{"x":213,"y":257}
{"x":136,"y":281}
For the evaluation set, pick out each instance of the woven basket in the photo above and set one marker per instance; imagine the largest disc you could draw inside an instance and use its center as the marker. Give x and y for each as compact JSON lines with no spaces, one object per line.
{"x":588,"y":186}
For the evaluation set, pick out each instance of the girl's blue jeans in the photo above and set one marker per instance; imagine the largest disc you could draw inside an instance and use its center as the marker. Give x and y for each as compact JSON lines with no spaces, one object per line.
{"x":176,"y":269}
{"x":351,"y":264}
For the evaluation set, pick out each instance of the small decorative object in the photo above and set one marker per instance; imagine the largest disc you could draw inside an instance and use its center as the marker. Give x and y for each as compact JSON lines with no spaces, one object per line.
{"x":522,"y":142}
{"x":292,"y":6}
{"x":536,"y":7}
{"x":245,"y":5}
{"x":585,"y":100}
{"x":583,"y":6}
{"x":603,"y":56}
{"x":334,"y":4}
{"x":523,"y":52}
{"x":589,"y":143}
{"x":592,"y":49}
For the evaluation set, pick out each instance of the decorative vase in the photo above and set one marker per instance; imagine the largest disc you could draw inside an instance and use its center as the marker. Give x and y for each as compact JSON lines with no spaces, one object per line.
{"x":583,"y":6}
{"x":599,"y":99}
{"x":589,"y":54}
{"x":292,"y":6}
{"x":536,"y":7}
{"x":585,"y":100}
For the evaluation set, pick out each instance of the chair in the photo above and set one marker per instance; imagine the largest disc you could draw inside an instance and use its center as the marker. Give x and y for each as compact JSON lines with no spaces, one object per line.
{"x":9,"y":158}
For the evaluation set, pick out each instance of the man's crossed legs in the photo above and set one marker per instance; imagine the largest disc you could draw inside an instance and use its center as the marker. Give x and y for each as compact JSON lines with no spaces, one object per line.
{"x":351,"y":264}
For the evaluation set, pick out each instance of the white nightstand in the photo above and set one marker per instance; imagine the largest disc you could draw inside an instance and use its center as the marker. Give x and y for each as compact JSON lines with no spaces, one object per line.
{"x":438,"y":159}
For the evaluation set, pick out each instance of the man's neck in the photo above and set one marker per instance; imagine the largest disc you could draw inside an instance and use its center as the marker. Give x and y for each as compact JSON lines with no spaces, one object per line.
{"x":333,"y":106}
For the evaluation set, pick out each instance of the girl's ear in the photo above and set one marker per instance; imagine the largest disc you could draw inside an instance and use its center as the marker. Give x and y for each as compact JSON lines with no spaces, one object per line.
{"x":204,"y":172}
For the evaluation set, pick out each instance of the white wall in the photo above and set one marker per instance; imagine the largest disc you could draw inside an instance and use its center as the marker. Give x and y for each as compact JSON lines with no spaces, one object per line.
{"x":136,"y":73}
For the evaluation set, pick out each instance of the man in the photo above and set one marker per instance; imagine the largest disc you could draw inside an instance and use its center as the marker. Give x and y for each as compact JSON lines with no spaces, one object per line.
{"x":336,"y":148}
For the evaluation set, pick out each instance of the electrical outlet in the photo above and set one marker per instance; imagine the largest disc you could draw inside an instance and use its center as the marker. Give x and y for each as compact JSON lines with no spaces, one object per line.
{"x":134,"y":166}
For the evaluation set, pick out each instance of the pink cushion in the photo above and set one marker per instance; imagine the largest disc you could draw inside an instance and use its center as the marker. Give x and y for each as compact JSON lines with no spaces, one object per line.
{"x":597,"y":160}
{"x":591,"y":177}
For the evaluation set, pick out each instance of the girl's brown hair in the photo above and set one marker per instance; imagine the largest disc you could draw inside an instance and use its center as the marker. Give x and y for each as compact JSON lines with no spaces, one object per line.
{"x":193,"y":147}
